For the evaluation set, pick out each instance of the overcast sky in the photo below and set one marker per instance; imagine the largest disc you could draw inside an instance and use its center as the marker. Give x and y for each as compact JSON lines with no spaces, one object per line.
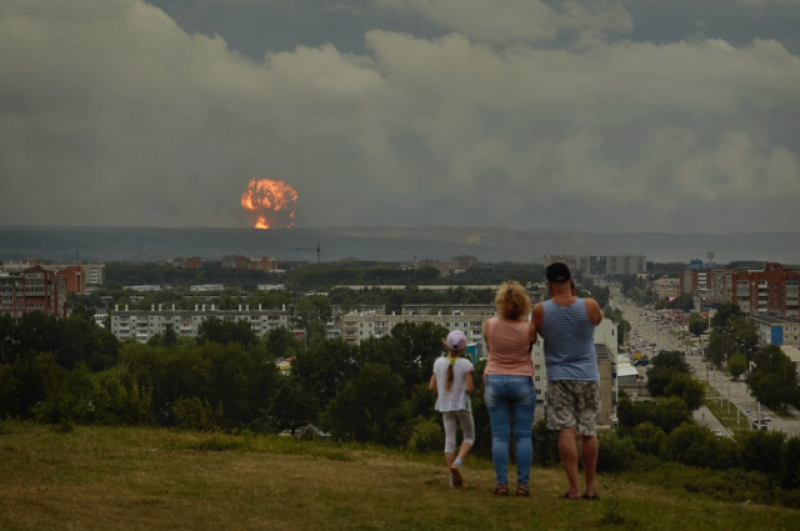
{"x":618,"y":115}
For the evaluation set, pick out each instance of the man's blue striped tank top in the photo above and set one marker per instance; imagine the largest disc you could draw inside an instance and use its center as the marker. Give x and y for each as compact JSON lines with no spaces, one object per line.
{"x":569,"y":342}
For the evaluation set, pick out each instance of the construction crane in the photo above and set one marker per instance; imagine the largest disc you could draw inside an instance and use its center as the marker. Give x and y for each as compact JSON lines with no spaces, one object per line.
{"x":318,"y":248}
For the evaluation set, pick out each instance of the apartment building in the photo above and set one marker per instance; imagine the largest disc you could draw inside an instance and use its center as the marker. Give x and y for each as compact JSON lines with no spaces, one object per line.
{"x":356,"y":327}
{"x":141,"y":325}
{"x":460,"y":263}
{"x":601,"y":265}
{"x":33,"y":290}
{"x":263,"y":263}
{"x":773,"y":290}
{"x":79,"y":277}
{"x":777,"y":330}
{"x":667,"y":288}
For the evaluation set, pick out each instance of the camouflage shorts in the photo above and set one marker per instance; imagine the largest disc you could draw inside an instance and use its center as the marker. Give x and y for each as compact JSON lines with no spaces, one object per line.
{"x":573,"y":403}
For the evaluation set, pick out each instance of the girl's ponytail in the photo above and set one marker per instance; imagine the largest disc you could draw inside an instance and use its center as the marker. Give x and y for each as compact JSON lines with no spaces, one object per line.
{"x":448,"y":382}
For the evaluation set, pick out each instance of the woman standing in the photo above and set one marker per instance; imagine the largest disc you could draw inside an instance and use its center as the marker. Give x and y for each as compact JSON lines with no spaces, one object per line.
{"x":509,"y":384}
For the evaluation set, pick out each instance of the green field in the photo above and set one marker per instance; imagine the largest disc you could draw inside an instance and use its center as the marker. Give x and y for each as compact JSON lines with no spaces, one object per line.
{"x":146,"y":478}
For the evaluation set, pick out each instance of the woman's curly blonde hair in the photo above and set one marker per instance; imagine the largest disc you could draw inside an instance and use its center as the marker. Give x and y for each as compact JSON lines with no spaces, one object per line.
{"x":512,"y":301}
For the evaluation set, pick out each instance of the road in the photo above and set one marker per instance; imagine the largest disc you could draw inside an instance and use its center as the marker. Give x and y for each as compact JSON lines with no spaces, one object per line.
{"x":737,"y":393}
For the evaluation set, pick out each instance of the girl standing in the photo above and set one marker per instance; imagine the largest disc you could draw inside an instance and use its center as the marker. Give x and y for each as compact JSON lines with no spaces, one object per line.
{"x":452,"y":381}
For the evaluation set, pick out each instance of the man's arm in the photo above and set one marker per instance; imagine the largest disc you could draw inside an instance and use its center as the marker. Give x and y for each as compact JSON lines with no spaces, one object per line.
{"x":593,"y":311}
{"x":537,"y":318}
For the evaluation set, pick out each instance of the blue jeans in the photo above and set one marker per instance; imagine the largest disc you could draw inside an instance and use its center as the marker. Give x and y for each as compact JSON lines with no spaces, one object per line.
{"x":506,"y":397}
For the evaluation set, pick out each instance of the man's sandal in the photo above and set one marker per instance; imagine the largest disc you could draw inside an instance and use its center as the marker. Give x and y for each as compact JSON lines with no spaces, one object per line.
{"x":501,"y":490}
{"x":522,"y":490}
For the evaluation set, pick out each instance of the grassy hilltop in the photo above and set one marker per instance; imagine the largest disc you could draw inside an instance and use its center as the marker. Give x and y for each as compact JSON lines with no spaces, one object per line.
{"x":145,"y":478}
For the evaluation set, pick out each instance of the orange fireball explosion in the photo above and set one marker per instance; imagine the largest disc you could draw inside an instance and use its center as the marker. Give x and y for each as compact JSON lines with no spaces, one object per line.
{"x":272,"y":202}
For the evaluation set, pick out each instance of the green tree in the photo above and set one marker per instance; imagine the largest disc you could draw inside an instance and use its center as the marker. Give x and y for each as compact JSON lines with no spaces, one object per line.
{"x":281,"y":342}
{"x":774,"y":381}
{"x":762,"y":451}
{"x":292,"y":406}
{"x":223,"y":332}
{"x":737,"y":364}
{"x":697,"y":325}
{"x":313,"y":310}
{"x":418,"y":346}
{"x":725,"y":311}
{"x":665,"y":413}
{"x":371,"y":409}
{"x":691,"y":391}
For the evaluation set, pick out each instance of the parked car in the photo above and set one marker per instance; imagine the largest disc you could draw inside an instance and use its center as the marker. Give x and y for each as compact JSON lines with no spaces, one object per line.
{"x":766,"y":418}
{"x":642,"y":363}
{"x":718,"y":433}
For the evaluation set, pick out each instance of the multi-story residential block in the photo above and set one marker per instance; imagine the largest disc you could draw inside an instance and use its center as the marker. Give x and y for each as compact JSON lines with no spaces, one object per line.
{"x":33,"y":290}
{"x":771,"y":291}
{"x":667,"y":288}
{"x":92,"y":274}
{"x":74,"y":278}
{"x":264,"y":263}
{"x":459,"y":264}
{"x":695,"y":277}
{"x":235,"y":262}
{"x":141,"y":325}
{"x":357,"y":327}
{"x":777,"y":330}
{"x":601,"y":265}
{"x":774,"y":290}
{"x":485,"y":310}
{"x":626,"y":264}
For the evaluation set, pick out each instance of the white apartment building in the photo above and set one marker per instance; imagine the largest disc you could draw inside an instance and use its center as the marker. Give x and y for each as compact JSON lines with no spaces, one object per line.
{"x":356,"y":327}
{"x":141,"y":325}
{"x":207,"y":287}
{"x":777,"y":330}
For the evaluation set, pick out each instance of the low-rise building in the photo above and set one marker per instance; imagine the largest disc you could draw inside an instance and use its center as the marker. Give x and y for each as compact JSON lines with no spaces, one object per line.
{"x":777,"y":330}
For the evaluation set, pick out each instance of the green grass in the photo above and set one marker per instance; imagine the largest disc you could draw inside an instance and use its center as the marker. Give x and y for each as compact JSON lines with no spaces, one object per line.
{"x":725,"y":411}
{"x":113,"y":479}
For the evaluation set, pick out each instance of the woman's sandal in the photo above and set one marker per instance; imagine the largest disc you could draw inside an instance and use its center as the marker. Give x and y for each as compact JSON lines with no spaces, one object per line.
{"x":501,"y":490}
{"x":522,"y":490}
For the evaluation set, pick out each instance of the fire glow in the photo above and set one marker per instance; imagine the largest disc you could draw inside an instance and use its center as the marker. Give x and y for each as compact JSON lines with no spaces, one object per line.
{"x":272,"y":203}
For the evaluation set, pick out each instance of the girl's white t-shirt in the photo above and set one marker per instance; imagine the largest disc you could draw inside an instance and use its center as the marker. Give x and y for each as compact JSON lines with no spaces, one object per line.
{"x":456,"y":399}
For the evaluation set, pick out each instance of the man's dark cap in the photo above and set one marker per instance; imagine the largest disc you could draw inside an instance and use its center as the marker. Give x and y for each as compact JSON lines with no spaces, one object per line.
{"x":557,"y":273}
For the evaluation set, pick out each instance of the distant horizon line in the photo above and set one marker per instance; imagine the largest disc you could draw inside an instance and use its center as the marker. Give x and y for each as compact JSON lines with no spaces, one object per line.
{"x":394,"y":227}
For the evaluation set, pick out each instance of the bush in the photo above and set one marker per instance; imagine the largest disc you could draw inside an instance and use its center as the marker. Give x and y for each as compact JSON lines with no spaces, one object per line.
{"x":545,"y":445}
{"x":428,"y":437}
{"x":690,"y":444}
{"x":648,"y":438}
{"x":616,"y":453}
{"x":762,"y":450}
{"x":196,"y":414}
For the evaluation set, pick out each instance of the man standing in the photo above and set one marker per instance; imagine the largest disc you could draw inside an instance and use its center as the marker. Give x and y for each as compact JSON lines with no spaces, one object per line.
{"x":567,"y":325}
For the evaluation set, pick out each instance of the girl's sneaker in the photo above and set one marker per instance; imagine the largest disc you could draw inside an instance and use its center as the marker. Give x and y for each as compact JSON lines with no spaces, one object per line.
{"x":456,"y":479}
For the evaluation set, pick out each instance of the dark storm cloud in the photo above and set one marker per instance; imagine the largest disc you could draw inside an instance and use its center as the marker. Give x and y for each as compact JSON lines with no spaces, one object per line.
{"x":535,"y":114}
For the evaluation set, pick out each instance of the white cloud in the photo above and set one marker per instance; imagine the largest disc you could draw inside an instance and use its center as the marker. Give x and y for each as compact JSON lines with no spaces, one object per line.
{"x":111,"y":114}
